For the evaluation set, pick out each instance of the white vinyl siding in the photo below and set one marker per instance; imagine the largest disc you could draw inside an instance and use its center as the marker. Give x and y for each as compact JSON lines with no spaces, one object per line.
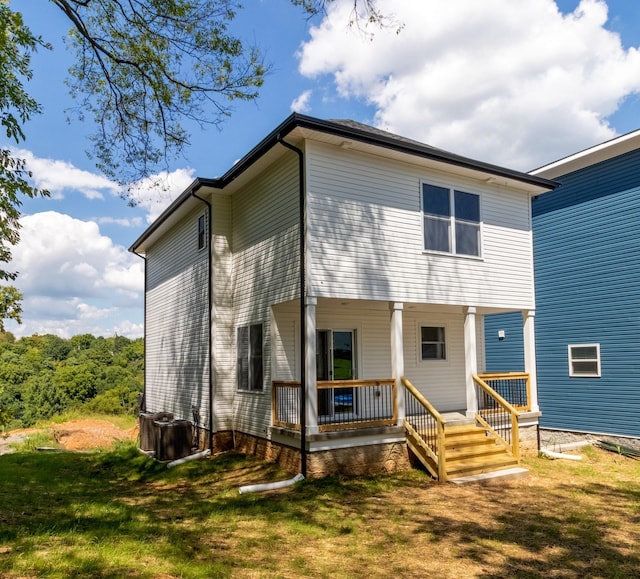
{"x":442,"y":382}
{"x":365,"y":235}
{"x":176,"y":366}
{"x":265,"y":229}
{"x":223,"y":317}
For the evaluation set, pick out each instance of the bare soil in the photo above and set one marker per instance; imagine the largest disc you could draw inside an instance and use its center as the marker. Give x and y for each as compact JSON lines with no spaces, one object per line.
{"x":74,"y":435}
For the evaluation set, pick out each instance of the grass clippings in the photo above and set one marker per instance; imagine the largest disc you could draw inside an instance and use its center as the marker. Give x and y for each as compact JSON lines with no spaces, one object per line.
{"x":120,"y":514}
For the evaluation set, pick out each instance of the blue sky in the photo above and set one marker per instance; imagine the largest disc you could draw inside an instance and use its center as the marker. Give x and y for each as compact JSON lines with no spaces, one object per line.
{"x":514,"y":83}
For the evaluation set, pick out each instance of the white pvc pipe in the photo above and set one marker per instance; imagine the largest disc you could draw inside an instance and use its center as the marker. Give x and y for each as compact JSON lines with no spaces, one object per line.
{"x":552,"y":454}
{"x":271,"y":486}
{"x":195,"y":456}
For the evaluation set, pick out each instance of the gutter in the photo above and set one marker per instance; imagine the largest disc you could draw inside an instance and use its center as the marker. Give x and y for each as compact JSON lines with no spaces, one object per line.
{"x":303,"y":293}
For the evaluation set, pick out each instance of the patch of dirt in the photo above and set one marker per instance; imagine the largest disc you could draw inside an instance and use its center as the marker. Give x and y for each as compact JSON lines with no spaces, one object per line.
{"x":75,"y":435}
{"x":90,"y":434}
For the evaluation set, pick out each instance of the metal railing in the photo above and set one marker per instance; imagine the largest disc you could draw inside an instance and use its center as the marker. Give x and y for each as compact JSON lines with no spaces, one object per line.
{"x":425,"y":430}
{"x":285,"y":404}
{"x":514,"y":387}
{"x":341,"y":404}
{"x":498,"y":416}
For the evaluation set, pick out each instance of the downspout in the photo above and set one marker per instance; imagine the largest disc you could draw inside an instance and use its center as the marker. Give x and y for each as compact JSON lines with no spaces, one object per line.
{"x":303,"y":293}
{"x":210,"y":309}
{"x":143,"y":405}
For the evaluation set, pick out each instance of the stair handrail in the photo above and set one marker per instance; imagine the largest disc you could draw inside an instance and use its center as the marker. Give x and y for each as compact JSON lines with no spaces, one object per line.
{"x":514,"y":445}
{"x":440,"y":422}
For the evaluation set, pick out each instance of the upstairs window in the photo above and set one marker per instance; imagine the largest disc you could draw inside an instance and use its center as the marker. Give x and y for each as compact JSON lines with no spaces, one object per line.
{"x":202,"y":232}
{"x":249,"y":357}
{"x":451,"y":220}
{"x":584,"y":360}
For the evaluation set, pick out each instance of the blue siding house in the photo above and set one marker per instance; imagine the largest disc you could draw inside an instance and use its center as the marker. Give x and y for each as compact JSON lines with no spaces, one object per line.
{"x":587,"y":279}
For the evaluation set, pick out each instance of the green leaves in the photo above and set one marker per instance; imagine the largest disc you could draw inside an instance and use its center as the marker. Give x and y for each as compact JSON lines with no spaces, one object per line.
{"x":17,"y":44}
{"x":144,"y":67}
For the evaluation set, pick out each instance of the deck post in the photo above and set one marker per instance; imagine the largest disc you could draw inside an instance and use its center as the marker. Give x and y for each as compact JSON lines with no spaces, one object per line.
{"x":470,"y":359}
{"x":397,"y":357}
{"x":528,"y":317}
{"x":310,"y":365}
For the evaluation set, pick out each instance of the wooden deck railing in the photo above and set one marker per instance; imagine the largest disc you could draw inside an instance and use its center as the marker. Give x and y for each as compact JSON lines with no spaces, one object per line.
{"x":498,"y":416}
{"x":425,"y":430}
{"x":514,"y":387}
{"x":342,"y":404}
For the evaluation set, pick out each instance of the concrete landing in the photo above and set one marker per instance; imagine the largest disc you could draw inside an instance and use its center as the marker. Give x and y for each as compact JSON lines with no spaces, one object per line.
{"x":491,"y":477}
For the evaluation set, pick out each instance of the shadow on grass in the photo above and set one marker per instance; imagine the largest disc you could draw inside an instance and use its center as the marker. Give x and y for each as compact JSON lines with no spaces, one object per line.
{"x":120,"y":513}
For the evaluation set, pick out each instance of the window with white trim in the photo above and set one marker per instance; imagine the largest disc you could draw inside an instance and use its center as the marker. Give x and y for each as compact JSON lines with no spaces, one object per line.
{"x":202,"y":232}
{"x":584,"y":360}
{"x":249,"y":358}
{"x":451,"y":220}
{"x":433,"y":344}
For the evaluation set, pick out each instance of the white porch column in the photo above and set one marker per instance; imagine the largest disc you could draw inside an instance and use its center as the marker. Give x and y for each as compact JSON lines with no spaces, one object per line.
{"x":470,"y":358}
{"x":397,"y":356}
{"x":310,"y":365}
{"x":528,"y":318}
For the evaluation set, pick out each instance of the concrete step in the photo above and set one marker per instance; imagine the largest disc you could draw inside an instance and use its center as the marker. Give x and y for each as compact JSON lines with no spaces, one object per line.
{"x":492,"y":477}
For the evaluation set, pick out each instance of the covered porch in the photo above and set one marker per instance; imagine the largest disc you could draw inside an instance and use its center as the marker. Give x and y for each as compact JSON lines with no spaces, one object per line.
{"x":431,"y":380}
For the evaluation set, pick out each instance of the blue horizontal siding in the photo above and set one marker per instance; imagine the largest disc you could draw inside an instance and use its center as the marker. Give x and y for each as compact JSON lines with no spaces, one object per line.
{"x":504,"y":355}
{"x":587,"y":275}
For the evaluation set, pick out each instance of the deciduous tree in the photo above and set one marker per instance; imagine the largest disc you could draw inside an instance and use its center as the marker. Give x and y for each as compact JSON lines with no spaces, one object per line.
{"x":142,"y":69}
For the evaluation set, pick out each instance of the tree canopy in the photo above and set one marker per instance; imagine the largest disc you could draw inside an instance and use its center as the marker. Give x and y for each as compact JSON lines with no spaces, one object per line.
{"x":142,"y":69}
{"x":41,"y":376}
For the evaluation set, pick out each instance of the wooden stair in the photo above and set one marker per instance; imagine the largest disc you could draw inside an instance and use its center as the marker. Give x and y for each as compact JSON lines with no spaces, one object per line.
{"x":469,"y":450}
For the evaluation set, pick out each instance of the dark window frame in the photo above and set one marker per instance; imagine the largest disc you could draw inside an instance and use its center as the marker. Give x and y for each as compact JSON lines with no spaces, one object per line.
{"x":249,"y":357}
{"x":451,"y":221}
{"x":437,"y":345}
{"x":202,"y":232}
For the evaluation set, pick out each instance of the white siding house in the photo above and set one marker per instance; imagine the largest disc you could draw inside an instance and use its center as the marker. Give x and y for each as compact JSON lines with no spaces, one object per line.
{"x":404,"y":249}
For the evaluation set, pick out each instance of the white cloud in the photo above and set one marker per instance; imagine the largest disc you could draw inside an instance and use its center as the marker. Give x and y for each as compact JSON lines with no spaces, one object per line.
{"x":75,"y":279}
{"x":134,"y":222}
{"x":157,"y":192}
{"x":153,"y":194}
{"x":515,"y":83}
{"x":60,"y":176}
{"x":301,"y":103}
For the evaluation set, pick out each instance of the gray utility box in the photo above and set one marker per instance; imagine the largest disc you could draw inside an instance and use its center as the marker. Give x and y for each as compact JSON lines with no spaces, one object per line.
{"x":148,"y":429}
{"x":175,"y":439}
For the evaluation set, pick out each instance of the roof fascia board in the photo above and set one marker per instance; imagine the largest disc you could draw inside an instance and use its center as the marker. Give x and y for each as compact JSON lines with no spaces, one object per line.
{"x":297,"y":120}
{"x":591,"y":156}
{"x":187,"y":194}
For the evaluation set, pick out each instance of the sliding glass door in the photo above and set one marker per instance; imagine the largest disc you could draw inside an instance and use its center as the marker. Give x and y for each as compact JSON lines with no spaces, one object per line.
{"x":335,"y":360}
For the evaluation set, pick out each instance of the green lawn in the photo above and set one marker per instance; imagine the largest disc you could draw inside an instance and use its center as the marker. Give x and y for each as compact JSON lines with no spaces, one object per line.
{"x":120,"y":514}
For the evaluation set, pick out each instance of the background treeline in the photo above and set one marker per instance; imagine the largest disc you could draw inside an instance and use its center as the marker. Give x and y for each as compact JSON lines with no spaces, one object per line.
{"x":42,"y":376}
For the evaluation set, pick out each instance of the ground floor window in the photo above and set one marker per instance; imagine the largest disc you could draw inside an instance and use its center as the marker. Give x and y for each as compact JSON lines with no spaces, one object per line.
{"x":433,"y":343}
{"x":249,"y":350}
{"x":584,"y":360}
